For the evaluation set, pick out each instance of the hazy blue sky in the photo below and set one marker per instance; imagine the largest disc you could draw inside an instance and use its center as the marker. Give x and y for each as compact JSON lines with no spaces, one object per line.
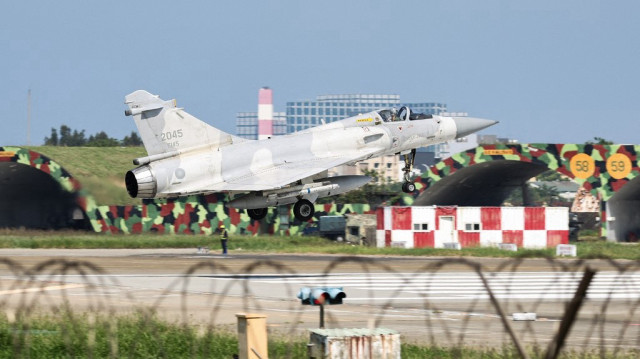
{"x":549,"y":71}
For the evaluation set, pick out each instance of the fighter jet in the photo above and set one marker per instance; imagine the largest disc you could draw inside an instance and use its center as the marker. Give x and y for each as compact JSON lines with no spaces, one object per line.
{"x":187,"y":156}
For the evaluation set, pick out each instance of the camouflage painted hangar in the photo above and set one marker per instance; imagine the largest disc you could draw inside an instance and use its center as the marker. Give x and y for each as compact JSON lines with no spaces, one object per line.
{"x":37,"y":192}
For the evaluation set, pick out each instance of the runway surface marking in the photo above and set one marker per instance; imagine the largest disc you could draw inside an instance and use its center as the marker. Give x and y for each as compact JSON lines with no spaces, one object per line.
{"x":457,"y":286}
{"x":397,"y":286}
{"x":41,"y":289}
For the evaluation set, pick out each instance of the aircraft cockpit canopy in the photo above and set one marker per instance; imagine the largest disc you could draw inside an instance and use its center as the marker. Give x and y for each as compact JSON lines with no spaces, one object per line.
{"x":388,"y":115}
{"x":404,"y":114}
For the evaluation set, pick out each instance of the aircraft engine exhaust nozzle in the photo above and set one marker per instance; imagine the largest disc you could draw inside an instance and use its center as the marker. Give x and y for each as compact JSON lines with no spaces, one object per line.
{"x":468,"y":125}
{"x":141,"y":183}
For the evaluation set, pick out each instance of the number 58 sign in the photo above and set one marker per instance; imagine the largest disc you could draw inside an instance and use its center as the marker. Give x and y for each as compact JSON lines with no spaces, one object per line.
{"x":582,"y":166}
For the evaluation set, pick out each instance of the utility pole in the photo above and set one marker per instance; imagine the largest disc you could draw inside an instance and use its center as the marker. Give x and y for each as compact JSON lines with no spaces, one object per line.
{"x":29,"y":118}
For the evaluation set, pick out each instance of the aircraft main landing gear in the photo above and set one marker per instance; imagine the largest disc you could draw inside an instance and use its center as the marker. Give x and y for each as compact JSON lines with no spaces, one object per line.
{"x":303,"y":210}
{"x":408,"y":186}
{"x":257,"y":213}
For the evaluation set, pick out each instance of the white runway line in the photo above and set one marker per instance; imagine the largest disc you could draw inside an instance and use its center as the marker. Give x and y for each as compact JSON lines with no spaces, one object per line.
{"x":41,"y":289}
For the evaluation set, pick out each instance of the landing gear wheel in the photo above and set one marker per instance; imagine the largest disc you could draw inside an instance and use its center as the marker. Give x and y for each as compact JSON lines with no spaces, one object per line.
{"x":408,"y":187}
{"x":303,"y":210}
{"x":257,"y":213}
{"x":409,"y":160}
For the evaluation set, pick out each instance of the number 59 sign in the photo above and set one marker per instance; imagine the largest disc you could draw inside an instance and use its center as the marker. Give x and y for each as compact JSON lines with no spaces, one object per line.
{"x":618,"y":166}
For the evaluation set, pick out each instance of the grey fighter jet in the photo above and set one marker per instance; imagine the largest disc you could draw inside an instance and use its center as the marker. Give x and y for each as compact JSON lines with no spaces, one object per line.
{"x":187,"y":156}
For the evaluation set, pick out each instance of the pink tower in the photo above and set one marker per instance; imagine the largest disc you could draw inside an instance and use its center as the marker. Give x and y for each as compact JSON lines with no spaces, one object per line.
{"x":265,"y":113}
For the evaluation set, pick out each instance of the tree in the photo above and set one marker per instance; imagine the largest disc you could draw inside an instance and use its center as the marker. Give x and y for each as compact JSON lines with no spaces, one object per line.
{"x":71,"y":138}
{"x":101,"y":139}
{"x":53,"y":140}
{"x":68,"y":138}
{"x":132,"y":140}
{"x":599,"y":141}
{"x":552,"y":175}
{"x":547,"y":193}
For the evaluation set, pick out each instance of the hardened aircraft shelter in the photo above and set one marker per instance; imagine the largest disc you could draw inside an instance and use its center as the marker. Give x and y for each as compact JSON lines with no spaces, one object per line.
{"x":37,"y":192}
{"x":486,"y":175}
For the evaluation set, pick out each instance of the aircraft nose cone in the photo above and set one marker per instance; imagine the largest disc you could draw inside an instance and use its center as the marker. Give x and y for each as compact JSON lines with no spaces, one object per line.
{"x":468,"y":125}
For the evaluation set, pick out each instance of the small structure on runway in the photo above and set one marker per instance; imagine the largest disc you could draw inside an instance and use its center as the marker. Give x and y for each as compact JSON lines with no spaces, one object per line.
{"x":435,"y":226}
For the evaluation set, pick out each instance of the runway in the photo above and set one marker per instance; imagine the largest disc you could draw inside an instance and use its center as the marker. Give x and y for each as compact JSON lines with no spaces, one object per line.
{"x":439,"y":300}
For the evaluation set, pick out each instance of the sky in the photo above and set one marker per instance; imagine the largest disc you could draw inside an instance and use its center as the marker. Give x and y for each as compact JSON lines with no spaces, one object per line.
{"x":549,"y":71}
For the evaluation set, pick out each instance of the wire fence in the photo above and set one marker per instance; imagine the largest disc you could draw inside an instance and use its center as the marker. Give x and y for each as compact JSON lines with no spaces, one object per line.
{"x":536,"y":308}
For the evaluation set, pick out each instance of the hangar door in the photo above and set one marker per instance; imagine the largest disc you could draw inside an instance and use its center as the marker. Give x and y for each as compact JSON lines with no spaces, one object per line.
{"x":32,"y":199}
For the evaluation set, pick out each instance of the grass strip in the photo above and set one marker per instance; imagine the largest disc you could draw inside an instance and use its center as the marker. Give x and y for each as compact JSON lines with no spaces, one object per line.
{"x":143,"y":335}
{"x":285,"y":244}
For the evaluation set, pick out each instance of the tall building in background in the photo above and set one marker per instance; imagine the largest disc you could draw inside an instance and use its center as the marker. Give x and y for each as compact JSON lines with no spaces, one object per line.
{"x":329,"y":108}
{"x":304,"y":114}
{"x":265,"y":122}
{"x":301,"y":115}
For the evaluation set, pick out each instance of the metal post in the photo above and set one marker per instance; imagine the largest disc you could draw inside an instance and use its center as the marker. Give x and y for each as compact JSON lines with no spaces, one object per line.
{"x":570,"y":315}
{"x":503,"y":317}
{"x":29,"y":118}
{"x":321,"y":316}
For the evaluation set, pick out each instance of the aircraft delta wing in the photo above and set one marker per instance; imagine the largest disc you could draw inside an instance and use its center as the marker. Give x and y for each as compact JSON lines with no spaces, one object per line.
{"x":187,"y":156}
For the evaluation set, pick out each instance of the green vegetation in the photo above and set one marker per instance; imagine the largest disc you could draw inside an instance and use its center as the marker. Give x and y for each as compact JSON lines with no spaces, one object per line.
{"x":599,"y":141}
{"x":136,"y":336}
{"x":100,"y":170}
{"x":73,"y":138}
{"x":145,"y":336}
{"x":552,"y":175}
{"x":283,"y":244}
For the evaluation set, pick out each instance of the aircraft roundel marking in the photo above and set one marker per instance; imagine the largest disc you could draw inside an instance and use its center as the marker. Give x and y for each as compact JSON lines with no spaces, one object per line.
{"x":582,"y":165}
{"x":618,"y":166}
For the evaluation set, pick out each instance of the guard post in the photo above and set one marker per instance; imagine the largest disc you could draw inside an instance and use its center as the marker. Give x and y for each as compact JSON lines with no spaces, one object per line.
{"x":252,"y":336}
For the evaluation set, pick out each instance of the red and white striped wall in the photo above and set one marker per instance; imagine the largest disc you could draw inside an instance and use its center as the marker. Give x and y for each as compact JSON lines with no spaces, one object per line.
{"x":265,"y":113}
{"x":418,"y":227}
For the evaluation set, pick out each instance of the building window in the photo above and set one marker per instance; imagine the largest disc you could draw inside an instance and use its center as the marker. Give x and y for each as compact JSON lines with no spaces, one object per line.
{"x":472,"y":227}
{"x":354,"y":230}
{"x":421,"y":226}
{"x":376,"y":165}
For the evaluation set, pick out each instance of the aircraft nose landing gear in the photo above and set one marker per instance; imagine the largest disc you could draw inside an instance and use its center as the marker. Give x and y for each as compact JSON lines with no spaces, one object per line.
{"x":408,"y":186}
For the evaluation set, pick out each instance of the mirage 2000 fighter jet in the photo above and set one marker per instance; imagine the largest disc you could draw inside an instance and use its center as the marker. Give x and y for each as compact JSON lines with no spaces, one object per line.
{"x":187,"y":156}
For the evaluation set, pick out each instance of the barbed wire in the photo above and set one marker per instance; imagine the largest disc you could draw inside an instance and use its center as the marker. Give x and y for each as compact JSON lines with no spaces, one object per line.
{"x":419,"y":304}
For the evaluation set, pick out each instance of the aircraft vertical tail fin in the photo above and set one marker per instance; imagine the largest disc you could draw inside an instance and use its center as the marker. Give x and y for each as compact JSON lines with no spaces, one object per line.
{"x":164,"y":127}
